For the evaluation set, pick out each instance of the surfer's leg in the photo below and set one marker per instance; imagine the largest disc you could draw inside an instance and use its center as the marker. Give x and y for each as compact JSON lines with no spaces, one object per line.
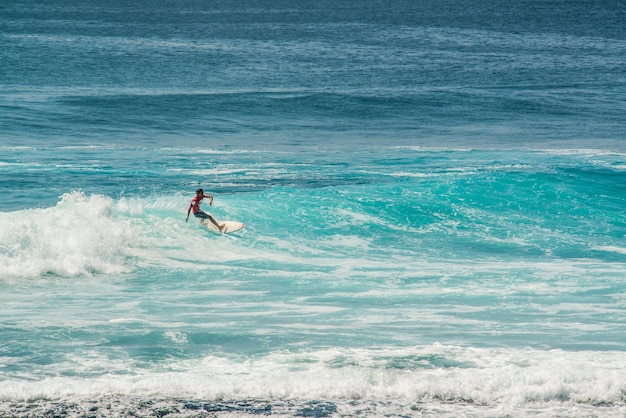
{"x":220,"y":227}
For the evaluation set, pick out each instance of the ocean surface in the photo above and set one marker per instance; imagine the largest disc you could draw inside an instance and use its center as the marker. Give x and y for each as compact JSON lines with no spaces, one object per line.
{"x":434,"y":194}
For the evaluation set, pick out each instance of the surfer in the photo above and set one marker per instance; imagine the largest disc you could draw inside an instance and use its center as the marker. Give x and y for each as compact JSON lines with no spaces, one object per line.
{"x":199,"y":213}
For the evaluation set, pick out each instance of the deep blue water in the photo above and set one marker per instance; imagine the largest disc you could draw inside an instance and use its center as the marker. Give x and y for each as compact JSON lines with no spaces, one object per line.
{"x":433,"y":192}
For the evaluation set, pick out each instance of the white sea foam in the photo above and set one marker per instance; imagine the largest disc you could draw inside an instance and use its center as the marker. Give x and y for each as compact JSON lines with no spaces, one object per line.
{"x":611,"y":249}
{"x":429,"y":375}
{"x":77,"y":236}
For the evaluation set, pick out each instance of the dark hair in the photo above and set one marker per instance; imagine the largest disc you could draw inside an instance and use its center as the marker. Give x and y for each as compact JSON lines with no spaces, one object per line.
{"x":199,"y":191}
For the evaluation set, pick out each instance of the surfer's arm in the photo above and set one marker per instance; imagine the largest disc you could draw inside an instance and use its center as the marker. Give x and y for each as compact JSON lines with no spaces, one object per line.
{"x":188,"y":211}
{"x":210,"y":196}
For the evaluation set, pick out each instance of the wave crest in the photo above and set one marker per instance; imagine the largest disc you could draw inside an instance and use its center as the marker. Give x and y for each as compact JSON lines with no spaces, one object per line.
{"x":78,"y":236}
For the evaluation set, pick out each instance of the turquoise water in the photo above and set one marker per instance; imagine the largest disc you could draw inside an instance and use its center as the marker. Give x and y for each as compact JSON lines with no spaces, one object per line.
{"x":434,"y":208}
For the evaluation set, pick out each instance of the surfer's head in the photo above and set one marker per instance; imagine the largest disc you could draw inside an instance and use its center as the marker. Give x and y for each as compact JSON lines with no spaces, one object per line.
{"x":199,"y":191}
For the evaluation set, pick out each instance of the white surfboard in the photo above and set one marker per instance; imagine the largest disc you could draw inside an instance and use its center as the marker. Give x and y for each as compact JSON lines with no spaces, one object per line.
{"x":230,"y":226}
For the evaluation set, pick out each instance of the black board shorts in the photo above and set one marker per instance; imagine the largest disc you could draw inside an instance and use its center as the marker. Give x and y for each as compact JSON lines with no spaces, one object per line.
{"x":201,"y":215}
